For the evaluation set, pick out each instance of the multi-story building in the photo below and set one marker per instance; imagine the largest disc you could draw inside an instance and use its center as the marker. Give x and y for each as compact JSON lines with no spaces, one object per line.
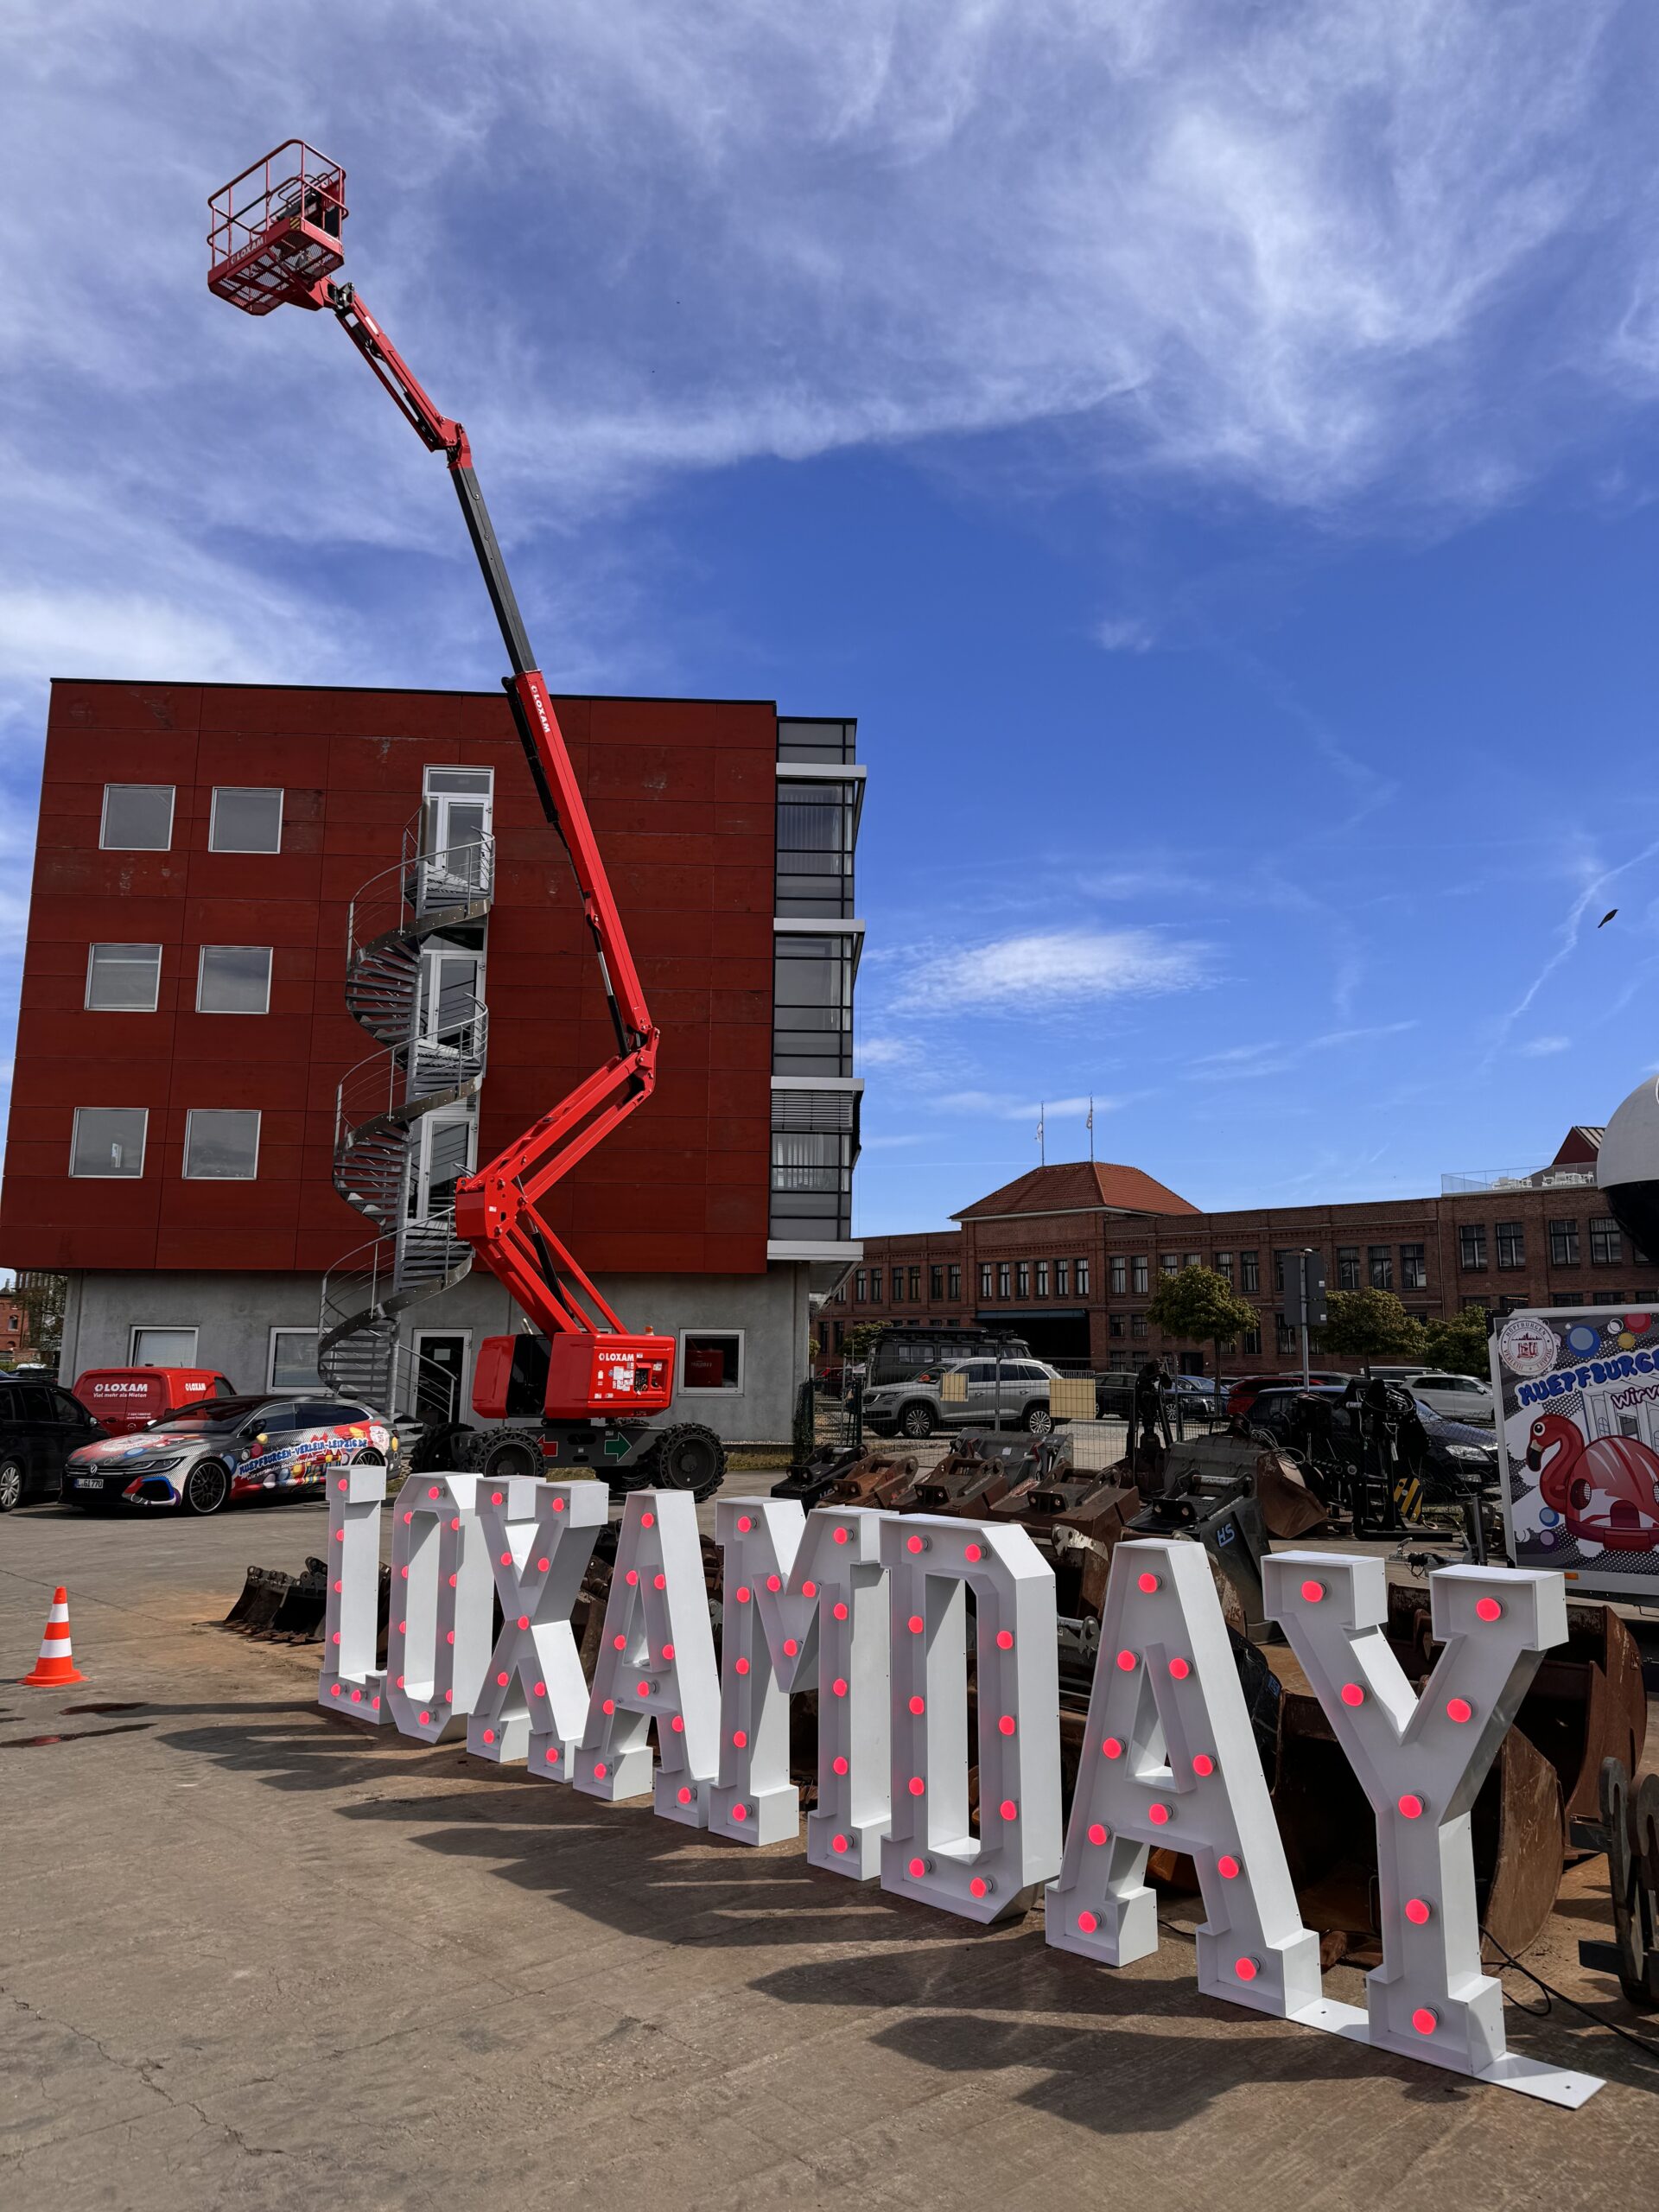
{"x":1068,"y":1257}
{"x":300,"y":959}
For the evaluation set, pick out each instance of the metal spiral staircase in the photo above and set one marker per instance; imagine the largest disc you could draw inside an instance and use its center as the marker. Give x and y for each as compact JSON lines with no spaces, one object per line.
{"x":432,"y":1048}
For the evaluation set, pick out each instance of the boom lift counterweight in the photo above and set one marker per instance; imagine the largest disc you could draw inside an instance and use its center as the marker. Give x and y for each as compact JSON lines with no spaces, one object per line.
{"x":275,"y":241}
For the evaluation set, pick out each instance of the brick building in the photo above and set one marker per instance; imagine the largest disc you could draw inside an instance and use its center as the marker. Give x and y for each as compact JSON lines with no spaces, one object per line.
{"x":299,"y":958}
{"x":1067,"y":1256}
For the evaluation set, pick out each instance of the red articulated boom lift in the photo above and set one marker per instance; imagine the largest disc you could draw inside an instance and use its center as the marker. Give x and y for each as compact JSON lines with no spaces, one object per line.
{"x":275,"y":242}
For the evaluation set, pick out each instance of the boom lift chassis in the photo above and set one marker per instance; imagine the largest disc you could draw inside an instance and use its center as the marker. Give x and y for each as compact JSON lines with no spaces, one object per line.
{"x":275,"y":242}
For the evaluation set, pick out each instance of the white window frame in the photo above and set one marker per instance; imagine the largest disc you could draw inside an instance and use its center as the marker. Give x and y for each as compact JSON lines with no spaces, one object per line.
{"x":74,"y":1144}
{"x":258,"y":1134}
{"x":104,"y":844}
{"x":232,"y":1013}
{"x":179,"y":1328}
{"x":93,"y":951}
{"x":313,"y":1388}
{"x":715,"y":1389}
{"x":281,"y":794}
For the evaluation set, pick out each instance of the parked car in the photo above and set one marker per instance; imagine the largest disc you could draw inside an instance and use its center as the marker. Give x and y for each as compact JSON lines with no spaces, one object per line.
{"x":125,"y":1398}
{"x":1455,"y":1397}
{"x":1449,"y":1458}
{"x":1240,"y":1396}
{"x":915,"y":1408}
{"x":40,"y":1425}
{"x":1197,"y":1398}
{"x":201,"y":1456}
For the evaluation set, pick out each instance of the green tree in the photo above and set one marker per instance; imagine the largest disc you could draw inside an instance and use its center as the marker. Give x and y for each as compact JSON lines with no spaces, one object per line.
{"x":1459,"y":1345}
{"x":1368,"y":1324}
{"x":860,"y":1338}
{"x":1200,"y":1306}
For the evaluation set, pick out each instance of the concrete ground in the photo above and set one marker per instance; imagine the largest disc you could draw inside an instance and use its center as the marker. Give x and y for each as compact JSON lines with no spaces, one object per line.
{"x":253,"y":1957}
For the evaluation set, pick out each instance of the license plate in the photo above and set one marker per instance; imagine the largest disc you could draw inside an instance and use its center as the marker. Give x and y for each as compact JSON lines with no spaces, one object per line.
{"x":89,"y":1482}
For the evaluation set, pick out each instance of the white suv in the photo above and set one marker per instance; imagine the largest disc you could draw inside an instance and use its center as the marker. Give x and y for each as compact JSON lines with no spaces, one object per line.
{"x":916,"y":1409}
{"x":1454,"y":1397}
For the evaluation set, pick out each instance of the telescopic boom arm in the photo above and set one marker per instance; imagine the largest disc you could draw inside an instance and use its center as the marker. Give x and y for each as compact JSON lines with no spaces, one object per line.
{"x":496,"y":1208}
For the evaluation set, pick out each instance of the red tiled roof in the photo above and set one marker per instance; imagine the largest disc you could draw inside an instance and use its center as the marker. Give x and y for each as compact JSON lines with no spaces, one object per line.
{"x":1072,"y":1186}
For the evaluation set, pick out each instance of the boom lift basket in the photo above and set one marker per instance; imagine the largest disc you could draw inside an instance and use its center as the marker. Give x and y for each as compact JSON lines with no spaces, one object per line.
{"x":276,"y":229}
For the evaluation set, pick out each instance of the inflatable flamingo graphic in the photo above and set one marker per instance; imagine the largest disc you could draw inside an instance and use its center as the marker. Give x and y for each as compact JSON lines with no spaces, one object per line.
{"x":1607,"y":1491}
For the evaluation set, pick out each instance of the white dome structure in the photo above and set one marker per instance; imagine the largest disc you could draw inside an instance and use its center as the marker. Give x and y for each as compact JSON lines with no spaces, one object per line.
{"x":1627,"y":1167}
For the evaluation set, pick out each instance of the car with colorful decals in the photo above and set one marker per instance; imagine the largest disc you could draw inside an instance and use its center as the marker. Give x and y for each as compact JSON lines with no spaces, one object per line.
{"x":200,"y":1459}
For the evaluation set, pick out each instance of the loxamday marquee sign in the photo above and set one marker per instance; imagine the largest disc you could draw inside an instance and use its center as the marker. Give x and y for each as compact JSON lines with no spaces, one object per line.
{"x":870,"y":1609}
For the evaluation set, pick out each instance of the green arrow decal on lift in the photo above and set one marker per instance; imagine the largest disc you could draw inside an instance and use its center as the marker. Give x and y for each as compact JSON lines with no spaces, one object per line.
{"x":617,"y":1447}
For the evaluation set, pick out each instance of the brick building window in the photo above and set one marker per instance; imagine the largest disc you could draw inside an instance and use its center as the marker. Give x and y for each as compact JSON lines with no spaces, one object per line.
{"x":1472,"y":1248}
{"x":1194,"y":1259}
{"x":915,"y":1287}
{"x":985,"y":1278}
{"x":123,"y":978}
{"x":1083,"y":1278}
{"x":935,"y":1284}
{"x":1120,"y":1267}
{"x":1511,"y":1238}
{"x":1252,"y":1340}
{"x":1022,"y":1278}
{"x":1604,"y":1248}
{"x":876,"y":1285}
{"x":233,"y":979}
{"x":1250,"y":1273}
{"x":1224,"y":1266}
{"x":108,"y":1140}
{"x":1141,"y":1271}
{"x":1379,"y":1260}
{"x":246,"y":821}
{"x":955,"y":1292}
{"x":1286,"y":1336}
{"x":1169,"y":1263}
{"x":1042,"y":1278}
{"x":1347,"y":1266}
{"x":1114,"y":1324}
{"x":1063,"y":1278}
{"x":1279,"y":1258}
{"x":1137,"y":1325}
{"x":221,"y":1144}
{"x":1413,"y":1271}
{"x":858,"y":1287}
{"x":137,"y":818}
{"x":1563,"y":1243}
{"x":1002,"y":1279}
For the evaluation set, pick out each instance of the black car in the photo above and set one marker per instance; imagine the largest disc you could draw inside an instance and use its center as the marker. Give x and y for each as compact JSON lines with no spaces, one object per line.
{"x":40,"y":1427}
{"x":1450,"y":1459}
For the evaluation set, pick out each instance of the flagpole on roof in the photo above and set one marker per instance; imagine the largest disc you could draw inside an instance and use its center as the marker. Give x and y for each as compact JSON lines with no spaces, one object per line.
{"x":1092,"y":1129}
{"x":1042,"y":1145}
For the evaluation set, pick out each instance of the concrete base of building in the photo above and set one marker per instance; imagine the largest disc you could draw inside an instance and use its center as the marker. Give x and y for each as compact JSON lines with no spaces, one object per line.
{"x":236,"y":1319}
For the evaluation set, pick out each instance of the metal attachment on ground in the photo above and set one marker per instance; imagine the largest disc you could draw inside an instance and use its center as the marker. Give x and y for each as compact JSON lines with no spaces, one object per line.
{"x":1628,"y":1832}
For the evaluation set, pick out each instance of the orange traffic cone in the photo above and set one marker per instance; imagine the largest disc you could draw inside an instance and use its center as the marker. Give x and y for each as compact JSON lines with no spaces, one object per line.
{"x":56,"y":1666}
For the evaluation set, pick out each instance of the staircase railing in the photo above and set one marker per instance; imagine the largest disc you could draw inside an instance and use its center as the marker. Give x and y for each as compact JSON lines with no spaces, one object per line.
{"x":429,"y":1058}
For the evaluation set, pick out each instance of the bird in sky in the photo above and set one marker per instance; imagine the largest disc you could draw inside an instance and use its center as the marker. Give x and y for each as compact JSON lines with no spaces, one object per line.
{"x":1606,"y":918}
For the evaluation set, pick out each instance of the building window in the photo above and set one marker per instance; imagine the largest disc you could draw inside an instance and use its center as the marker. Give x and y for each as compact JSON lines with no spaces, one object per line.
{"x":955,"y":1290}
{"x":1511,"y":1244}
{"x":233,"y":979}
{"x":1194,"y":1259}
{"x":935,"y":1284}
{"x":137,"y":818}
{"x":1279,"y":1258}
{"x":915,"y":1286}
{"x":710,"y":1359}
{"x":1471,"y":1247}
{"x":1042,"y":1278}
{"x":1002,"y":1279}
{"x":1083,"y":1278}
{"x":811,"y":1197}
{"x":246,"y":821}
{"x":1140,"y":1274}
{"x":163,"y":1347}
{"x":123,"y":978}
{"x":1380,"y":1264}
{"x":292,"y":1364}
{"x":985,"y":1278}
{"x":221,"y":1144}
{"x":818,"y":828}
{"x":1414,"y":1272}
{"x":1120,"y":1277}
{"x":1563,"y":1243}
{"x":1347,"y":1266}
{"x":108,"y":1140}
{"x":1252,"y":1340}
{"x":858,"y":1287}
{"x":1022,"y":1278}
{"x":812,"y":1004}
{"x":1249,"y":1271}
{"x":1062,"y":1278}
{"x":876,"y":1285}
{"x":1224,"y":1266}
{"x":1137,"y":1325}
{"x":1114,"y":1324}
{"x":1605,"y":1249}
{"x":1169,"y":1263}
{"x":1286,"y":1336}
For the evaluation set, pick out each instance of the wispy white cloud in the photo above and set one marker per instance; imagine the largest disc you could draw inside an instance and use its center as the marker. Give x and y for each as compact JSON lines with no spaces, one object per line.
{"x":1538,"y":1048}
{"x":1246,"y":1063}
{"x":1002,"y":1106}
{"x":1048,"y":967}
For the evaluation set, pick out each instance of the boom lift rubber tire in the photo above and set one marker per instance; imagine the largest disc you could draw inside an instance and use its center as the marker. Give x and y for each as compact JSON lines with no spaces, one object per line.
{"x":202,"y":1493}
{"x":439,"y":1449}
{"x":690,"y":1457}
{"x":509,"y":1452}
{"x":11,"y":1483}
{"x":916,"y":1422}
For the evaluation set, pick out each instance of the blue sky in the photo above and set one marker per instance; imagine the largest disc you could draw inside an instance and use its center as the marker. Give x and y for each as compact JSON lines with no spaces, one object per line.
{"x":1212,"y":448}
